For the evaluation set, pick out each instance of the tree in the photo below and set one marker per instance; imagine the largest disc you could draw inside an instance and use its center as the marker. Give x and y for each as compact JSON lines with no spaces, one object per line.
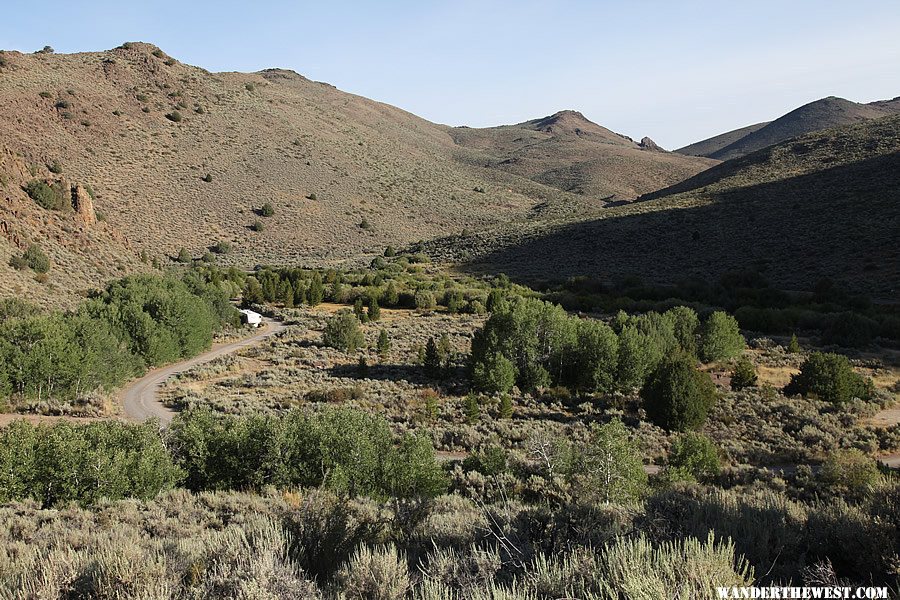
{"x":374,"y":311}
{"x":610,"y":466}
{"x":342,"y":332}
{"x":391,"y":296}
{"x":434,"y":363}
{"x":794,"y":345}
{"x":634,"y":359}
{"x":743,"y":375}
{"x":720,"y":338}
{"x":694,"y":457}
{"x":685,"y":324}
{"x":184,"y":256}
{"x":267,"y":210}
{"x":597,"y":356}
{"x":383,"y":345}
{"x":831,"y":378}
{"x":494,"y":374}
{"x":471,"y":408}
{"x":424,"y":299}
{"x":677,"y":396}
{"x":359,"y":311}
{"x":316,"y":292}
{"x":253,"y":292}
{"x":506,"y":407}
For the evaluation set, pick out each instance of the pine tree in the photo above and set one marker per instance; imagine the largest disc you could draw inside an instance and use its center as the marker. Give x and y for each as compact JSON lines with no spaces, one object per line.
{"x":432,"y":363}
{"x":506,"y":408}
{"x":316,"y":291}
{"x":359,"y":311}
{"x":374,"y":311}
{"x":794,"y":345}
{"x":471,"y":408}
{"x":383,"y":345}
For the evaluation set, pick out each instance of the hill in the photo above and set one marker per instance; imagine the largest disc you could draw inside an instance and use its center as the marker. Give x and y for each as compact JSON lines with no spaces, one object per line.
{"x":815,"y":116}
{"x":712,"y":145}
{"x":825,"y":205}
{"x":178,"y":157}
{"x":567,"y":151}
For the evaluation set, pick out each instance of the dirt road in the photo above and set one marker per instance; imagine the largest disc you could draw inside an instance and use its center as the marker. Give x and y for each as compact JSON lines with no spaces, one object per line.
{"x":139,"y":398}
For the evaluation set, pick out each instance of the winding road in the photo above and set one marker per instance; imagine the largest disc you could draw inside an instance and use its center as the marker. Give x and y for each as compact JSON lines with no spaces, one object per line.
{"x":140,"y":397}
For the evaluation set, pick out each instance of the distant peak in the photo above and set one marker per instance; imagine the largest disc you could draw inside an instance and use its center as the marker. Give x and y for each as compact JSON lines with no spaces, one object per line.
{"x":649,"y":144}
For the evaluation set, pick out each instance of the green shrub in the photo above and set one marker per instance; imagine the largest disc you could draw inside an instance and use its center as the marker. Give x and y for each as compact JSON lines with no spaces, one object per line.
{"x":175,"y":117}
{"x":743,"y":374}
{"x":267,"y":210}
{"x":831,"y":378}
{"x":49,"y":197}
{"x":490,"y":461}
{"x":677,"y":396}
{"x":693,"y":457}
{"x":794,"y":345}
{"x":494,"y":373}
{"x":342,"y":332}
{"x":222,"y":247}
{"x":424,"y":300}
{"x":375,"y":574}
{"x":36,"y":260}
{"x":850,"y":473}
{"x":720,"y":338}
{"x":383,"y":345}
{"x":55,"y":167}
{"x":183,"y":256}
{"x":257,"y":226}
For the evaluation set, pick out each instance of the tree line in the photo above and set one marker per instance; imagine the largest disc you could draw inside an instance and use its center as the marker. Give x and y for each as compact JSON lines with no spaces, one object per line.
{"x":134,"y":323}
{"x":347,"y":451}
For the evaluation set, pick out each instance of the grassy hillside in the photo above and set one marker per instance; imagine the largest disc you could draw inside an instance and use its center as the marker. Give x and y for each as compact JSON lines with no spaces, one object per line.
{"x":177,"y":157}
{"x":573,"y":154}
{"x":824,"y":205}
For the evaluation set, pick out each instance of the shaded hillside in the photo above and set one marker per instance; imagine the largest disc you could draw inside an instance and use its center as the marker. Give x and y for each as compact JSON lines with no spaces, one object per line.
{"x":822,"y":206}
{"x":815,"y":116}
{"x":712,"y":145}
{"x":571,"y":153}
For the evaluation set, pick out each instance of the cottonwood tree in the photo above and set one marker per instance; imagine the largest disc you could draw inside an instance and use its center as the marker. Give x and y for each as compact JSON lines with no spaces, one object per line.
{"x":611,"y":465}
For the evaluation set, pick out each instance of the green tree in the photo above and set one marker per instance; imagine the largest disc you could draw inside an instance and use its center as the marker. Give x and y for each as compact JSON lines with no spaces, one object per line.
{"x":831,"y":378}
{"x":472,"y":408}
{"x":342,"y":332}
{"x":720,"y":338}
{"x":743,"y":375}
{"x":383,"y":345}
{"x":316,"y":292}
{"x":610,"y":466}
{"x":506,"y":407}
{"x":434,"y":363}
{"x":677,"y":396}
{"x":374,"y":311}
{"x":391,"y":296}
{"x":359,"y":311}
{"x":253,"y":292}
{"x":36,"y":260}
{"x":494,"y":373}
{"x":694,"y":457}
{"x":794,"y":345}
{"x":184,"y":256}
{"x":685,"y":324}
{"x":596,"y":359}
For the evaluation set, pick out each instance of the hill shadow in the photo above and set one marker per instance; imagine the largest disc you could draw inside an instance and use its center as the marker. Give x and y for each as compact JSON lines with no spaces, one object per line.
{"x":840,"y":223}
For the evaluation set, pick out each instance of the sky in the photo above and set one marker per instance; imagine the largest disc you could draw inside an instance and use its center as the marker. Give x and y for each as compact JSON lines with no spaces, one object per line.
{"x":675,"y":70}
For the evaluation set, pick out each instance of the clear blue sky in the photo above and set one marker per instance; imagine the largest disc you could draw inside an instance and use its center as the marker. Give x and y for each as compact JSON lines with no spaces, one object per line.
{"x":676,"y":70}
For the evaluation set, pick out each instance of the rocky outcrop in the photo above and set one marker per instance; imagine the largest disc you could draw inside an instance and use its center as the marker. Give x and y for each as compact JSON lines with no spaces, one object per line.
{"x":648,"y":144}
{"x":83,"y":205}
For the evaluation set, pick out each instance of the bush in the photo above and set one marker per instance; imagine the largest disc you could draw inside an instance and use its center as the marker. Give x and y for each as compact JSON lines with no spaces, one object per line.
{"x":850,"y":330}
{"x":342,"y":332}
{"x":743,"y":375}
{"x":678,"y":397}
{"x":850,"y":473}
{"x":267,"y":210}
{"x":35,"y":259}
{"x":610,"y":466}
{"x":720,"y":338}
{"x":831,"y":378}
{"x":694,"y":457}
{"x":222,"y":247}
{"x":375,"y":574}
{"x":55,"y":167}
{"x":424,"y":300}
{"x":257,"y":226}
{"x":184,"y":256}
{"x":176,"y":117}
{"x":49,"y":197}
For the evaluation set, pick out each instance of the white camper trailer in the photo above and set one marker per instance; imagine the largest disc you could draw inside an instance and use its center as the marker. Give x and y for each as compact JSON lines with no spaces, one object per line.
{"x":251,"y":318}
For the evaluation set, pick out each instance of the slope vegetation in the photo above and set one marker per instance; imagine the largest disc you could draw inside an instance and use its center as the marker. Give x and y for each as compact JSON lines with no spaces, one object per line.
{"x":177,"y":157}
{"x":825,"y":205}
